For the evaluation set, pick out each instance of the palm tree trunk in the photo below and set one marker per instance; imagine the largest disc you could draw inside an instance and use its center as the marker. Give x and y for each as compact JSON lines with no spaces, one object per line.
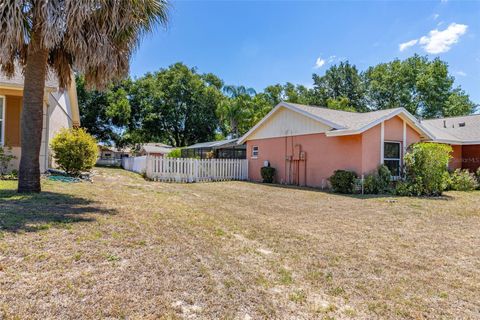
{"x":32,"y":116}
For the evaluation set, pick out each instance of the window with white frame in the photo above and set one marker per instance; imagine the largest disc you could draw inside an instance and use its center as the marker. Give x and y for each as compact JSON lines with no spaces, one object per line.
{"x":255,"y":152}
{"x":392,"y":157}
{"x":2,"y":120}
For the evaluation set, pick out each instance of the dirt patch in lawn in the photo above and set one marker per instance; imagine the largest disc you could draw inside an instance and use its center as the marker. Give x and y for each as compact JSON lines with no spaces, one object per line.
{"x":122,"y":247}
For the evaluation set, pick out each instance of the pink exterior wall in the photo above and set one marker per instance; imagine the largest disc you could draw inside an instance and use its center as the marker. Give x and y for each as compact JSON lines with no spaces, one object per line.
{"x":394,"y":129}
{"x":456,"y":161}
{"x":471,"y":157}
{"x":370,"y":149}
{"x":324,"y":155}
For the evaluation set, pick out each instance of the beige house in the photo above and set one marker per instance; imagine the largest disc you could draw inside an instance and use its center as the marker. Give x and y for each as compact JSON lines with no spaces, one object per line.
{"x":60,"y":110}
{"x":154,"y":149}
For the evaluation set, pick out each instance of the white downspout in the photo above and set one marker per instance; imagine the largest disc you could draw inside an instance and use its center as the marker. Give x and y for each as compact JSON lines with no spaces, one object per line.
{"x":382,"y":142}
{"x":47,"y":127}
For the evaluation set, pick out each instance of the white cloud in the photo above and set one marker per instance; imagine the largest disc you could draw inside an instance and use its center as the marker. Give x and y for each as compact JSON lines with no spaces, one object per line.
{"x":319,"y":63}
{"x":332,"y":59}
{"x":408,"y":44}
{"x":441,"y":41}
{"x":435,"y":16}
{"x":461,"y":73}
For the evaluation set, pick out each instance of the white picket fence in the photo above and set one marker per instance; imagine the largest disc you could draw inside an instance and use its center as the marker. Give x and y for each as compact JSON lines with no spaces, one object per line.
{"x":135,"y":164}
{"x":109,"y":162}
{"x":195,"y":170}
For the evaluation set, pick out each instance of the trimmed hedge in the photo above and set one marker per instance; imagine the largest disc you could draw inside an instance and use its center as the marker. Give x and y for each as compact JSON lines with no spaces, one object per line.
{"x":268,"y":173}
{"x":343,"y":181}
{"x":378,"y":182}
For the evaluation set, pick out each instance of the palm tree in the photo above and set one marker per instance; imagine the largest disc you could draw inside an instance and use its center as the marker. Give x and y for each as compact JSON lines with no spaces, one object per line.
{"x":236,"y":108}
{"x":238,"y":91}
{"x":93,"y":37}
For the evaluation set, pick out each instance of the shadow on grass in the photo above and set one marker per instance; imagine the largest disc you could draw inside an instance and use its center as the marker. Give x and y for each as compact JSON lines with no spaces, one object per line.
{"x":444,"y":197}
{"x":34,"y":212}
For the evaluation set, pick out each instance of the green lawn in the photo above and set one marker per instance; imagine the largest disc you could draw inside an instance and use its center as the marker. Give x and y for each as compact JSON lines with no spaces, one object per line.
{"x":122,"y":247}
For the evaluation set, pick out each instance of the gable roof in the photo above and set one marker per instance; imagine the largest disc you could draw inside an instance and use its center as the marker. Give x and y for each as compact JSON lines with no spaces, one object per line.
{"x":344,"y":122}
{"x":154,"y":147}
{"x":213,"y":144}
{"x":17,"y":79}
{"x":455,"y":130}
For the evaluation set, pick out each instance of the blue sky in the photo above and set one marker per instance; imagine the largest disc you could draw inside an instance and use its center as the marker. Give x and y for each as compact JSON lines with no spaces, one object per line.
{"x":259,"y":43}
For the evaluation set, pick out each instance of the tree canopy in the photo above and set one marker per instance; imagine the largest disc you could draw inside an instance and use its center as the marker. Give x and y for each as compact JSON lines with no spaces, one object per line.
{"x":421,"y":86}
{"x":179,"y":106}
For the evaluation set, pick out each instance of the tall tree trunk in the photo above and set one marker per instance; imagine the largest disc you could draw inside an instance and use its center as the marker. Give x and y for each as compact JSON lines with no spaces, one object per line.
{"x":32,"y":116}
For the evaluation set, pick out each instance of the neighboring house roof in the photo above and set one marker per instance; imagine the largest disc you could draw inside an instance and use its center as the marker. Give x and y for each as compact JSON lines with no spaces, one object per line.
{"x":17,"y":79}
{"x":214,"y":144}
{"x":156,"y":144}
{"x":455,"y":130}
{"x":160,"y":148}
{"x":51,"y":85}
{"x":343,"y":122}
{"x":115,"y":149}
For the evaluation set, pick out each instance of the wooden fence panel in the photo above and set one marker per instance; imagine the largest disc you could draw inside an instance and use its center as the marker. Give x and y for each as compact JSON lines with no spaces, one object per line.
{"x":195,"y":170}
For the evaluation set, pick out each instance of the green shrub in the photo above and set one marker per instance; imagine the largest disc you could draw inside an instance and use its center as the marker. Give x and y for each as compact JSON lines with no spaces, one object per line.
{"x":5,"y":159}
{"x":74,"y":150}
{"x":267,"y":174}
{"x":403,"y":188}
{"x":343,"y":181}
{"x":463,"y":180}
{"x":426,"y":168}
{"x":175,"y":153}
{"x":379,"y":182}
{"x":477,"y":174}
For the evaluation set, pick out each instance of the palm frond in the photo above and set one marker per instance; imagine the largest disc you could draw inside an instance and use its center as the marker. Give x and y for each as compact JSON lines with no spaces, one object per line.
{"x":94,"y":37}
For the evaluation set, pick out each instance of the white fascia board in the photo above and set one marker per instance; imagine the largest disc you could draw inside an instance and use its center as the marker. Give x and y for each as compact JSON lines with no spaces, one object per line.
{"x":416,"y":125}
{"x":455,"y":142}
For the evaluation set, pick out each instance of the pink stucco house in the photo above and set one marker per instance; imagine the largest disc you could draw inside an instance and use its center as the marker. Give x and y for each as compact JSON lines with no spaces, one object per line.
{"x":306,"y":144}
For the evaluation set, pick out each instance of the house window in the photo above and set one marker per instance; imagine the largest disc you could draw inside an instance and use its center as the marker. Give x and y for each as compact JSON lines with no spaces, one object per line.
{"x":254,"y":152}
{"x":2,"y":120}
{"x":392,"y":157}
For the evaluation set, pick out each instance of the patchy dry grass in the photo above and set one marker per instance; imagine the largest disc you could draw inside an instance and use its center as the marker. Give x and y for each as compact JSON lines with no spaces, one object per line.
{"x":126,"y":248}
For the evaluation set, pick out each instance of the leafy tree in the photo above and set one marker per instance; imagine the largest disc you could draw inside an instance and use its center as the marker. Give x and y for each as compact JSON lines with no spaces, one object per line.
{"x":96,"y":38}
{"x":289,"y":93}
{"x":458,"y":104}
{"x":421,"y":86}
{"x":174,"y":105}
{"x":104,"y":114}
{"x":236,"y":111}
{"x":341,"y":103}
{"x":338,"y":84}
